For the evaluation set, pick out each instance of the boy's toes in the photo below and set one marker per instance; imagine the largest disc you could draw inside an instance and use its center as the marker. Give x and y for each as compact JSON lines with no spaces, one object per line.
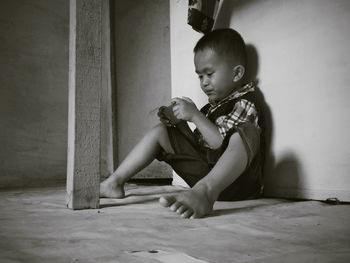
{"x":175,"y":206}
{"x":187,"y":214}
{"x":167,"y":201}
{"x":181,"y":209}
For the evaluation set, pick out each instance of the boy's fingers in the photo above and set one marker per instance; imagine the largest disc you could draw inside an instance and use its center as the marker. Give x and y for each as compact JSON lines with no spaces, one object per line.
{"x":188,"y":99}
{"x":177,"y":100}
{"x":174,"y":100}
{"x":177,"y":113}
{"x":175,"y":108}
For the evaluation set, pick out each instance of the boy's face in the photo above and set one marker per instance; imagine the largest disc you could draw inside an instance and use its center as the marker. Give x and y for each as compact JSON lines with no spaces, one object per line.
{"x":215,"y":74}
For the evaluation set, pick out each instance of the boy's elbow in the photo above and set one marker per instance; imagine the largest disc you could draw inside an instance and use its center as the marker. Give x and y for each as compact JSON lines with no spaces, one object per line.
{"x":216,"y":144}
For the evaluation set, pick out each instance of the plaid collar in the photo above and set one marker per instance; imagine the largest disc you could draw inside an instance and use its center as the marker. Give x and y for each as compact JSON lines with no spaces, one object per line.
{"x":234,"y":95}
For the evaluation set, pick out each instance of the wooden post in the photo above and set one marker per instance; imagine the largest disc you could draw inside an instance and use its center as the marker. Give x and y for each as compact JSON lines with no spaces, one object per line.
{"x":84,"y":119}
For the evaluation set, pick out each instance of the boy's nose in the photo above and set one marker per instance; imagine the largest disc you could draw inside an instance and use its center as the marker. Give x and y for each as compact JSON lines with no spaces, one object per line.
{"x":205,"y":81}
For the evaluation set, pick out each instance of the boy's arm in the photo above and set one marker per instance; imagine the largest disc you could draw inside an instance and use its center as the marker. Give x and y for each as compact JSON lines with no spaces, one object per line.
{"x":185,"y":109}
{"x":209,"y":130}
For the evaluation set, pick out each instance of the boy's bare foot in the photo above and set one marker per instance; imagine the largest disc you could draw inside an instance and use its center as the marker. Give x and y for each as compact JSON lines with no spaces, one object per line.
{"x":192,"y":203}
{"x":111,"y":188}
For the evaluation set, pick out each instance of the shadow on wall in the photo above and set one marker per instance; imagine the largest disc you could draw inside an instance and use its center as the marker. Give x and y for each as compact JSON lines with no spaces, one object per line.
{"x":285,"y":173}
{"x":285,"y":177}
{"x":265,"y":118}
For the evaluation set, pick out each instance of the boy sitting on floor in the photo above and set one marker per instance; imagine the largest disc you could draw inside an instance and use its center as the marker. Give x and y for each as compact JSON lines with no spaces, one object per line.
{"x":220,"y":160}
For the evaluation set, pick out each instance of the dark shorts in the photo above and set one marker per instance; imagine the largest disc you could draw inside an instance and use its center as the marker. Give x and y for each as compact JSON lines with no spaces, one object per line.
{"x":192,"y":162}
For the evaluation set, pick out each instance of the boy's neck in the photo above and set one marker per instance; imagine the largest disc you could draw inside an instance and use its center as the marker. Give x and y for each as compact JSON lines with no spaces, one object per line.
{"x":234,"y":89}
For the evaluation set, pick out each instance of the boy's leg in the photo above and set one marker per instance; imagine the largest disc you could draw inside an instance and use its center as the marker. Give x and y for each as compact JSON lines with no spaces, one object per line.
{"x":199,"y":200}
{"x":139,"y":157}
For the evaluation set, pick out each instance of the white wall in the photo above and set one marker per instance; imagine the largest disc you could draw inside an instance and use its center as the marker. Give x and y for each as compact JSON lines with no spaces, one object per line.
{"x":300,"y":53}
{"x":182,"y":41}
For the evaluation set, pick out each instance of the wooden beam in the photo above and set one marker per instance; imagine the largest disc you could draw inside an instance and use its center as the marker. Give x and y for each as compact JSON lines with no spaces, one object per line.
{"x":84,"y":119}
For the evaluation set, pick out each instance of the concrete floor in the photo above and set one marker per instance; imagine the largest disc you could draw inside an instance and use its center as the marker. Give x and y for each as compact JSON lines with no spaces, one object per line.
{"x":35,"y":226}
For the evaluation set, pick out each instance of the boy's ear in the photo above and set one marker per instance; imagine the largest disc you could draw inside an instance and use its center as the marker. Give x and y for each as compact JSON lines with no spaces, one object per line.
{"x":238,"y":73}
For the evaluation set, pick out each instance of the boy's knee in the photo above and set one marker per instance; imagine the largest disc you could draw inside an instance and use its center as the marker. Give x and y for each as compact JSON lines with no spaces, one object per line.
{"x":160,"y":128}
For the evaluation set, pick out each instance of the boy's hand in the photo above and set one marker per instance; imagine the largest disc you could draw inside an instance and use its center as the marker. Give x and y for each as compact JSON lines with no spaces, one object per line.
{"x":184,"y":108}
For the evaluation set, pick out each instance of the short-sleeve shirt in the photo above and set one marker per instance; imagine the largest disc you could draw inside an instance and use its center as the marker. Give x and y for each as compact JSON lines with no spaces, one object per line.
{"x":235,"y":113}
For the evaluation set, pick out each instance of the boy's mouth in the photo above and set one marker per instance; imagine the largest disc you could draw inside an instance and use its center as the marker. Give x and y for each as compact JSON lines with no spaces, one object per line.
{"x":209,"y":92}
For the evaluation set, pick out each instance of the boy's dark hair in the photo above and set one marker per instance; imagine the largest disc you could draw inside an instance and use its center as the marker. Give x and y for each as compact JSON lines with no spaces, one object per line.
{"x":227,"y":42}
